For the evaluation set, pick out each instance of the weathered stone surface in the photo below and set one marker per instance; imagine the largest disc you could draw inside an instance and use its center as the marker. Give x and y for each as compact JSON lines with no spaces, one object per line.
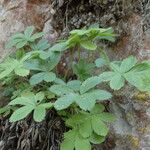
{"x":15,"y":15}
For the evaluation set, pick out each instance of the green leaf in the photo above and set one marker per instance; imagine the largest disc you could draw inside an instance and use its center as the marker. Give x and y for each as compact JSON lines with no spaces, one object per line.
{"x":60,"y":89}
{"x":21,"y":113}
{"x":96,"y":139}
{"x":68,"y":143}
{"x":100,"y":95}
{"x":59,"y":81}
{"x":106,"y":76}
{"x":89,"y":83}
{"x":134,"y":79}
{"x":81,"y":142}
{"x":39,"y":97}
{"x":100,"y":62}
{"x":117,"y":82}
{"x":115,"y":66}
{"x":36,"y":78}
{"x":87,"y":101}
{"x":99,"y":127}
{"x":76,"y":120}
{"x":29,"y":31}
{"x":39,"y":113}
{"x":79,"y":32}
{"x":13,"y":42}
{"x":128,"y":63}
{"x":59,"y":47}
{"x":23,"y":101}
{"x":49,"y":76}
{"x":107,"y":117}
{"x":74,"y":85}
{"x":89,"y":45}
{"x":7,"y":67}
{"x":98,"y":108}
{"x":4,"y":109}
{"x":65,"y":101}
{"x":36,"y":36}
{"x":46,"y":105}
{"x":83,"y":69}
{"x":22,"y":71}
{"x":85,"y":129}
{"x":21,"y":44}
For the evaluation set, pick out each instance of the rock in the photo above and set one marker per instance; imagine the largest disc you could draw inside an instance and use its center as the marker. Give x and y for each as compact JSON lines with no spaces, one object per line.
{"x":16,"y":15}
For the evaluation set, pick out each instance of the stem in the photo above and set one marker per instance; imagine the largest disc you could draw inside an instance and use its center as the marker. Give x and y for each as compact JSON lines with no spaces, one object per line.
{"x":71,"y":56}
{"x":79,"y":53}
{"x":104,"y":56}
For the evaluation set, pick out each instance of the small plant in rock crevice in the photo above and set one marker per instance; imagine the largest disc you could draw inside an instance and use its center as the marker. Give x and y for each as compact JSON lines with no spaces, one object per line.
{"x":31,"y":80}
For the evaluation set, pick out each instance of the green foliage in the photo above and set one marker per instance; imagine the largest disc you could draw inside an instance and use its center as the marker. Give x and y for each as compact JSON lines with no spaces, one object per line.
{"x":32,"y":82}
{"x":100,"y":62}
{"x":87,"y":127}
{"x":21,"y":39}
{"x":127,"y":70}
{"x":30,"y":102}
{"x":12,"y":65}
{"x":77,"y":94}
{"x":42,"y":76}
{"x":83,"y":70}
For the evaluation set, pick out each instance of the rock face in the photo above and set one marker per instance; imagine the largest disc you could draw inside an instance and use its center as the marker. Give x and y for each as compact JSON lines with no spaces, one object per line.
{"x":130,"y":19}
{"x":15,"y":15}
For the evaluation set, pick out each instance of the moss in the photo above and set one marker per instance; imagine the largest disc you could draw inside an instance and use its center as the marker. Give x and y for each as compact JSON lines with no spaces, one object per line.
{"x":134,"y":141}
{"x":141,"y":96}
{"x":143,"y":130}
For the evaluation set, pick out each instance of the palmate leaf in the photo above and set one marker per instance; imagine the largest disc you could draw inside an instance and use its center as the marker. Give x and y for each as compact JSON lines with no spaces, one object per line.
{"x":80,"y":143}
{"x":106,"y":117}
{"x":87,"y":101}
{"x":20,"y":40}
{"x":23,"y":101}
{"x":107,"y":76}
{"x":21,"y":113}
{"x":74,"y":140}
{"x":89,"y":45}
{"x":36,"y":78}
{"x":65,"y":101}
{"x":89,"y":84}
{"x":100,"y":62}
{"x":10,"y":65}
{"x":96,"y":139}
{"x":86,"y":128}
{"x":42,"y":76}
{"x":69,"y":141}
{"x":99,"y":127}
{"x":39,"y":113}
{"x":29,"y":31}
{"x":22,"y":71}
{"x":117,"y":82}
{"x":31,"y":102}
{"x":98,"y":108}
{"x":83,"y":69}
{"x":76,"y":120}
{"x":74,"y":85}
{"x":128,"y":63}
{"x":40,"y":46}
{"x":60,"y":89}
{"x":59,"y":47}
{"x":128,"y":70}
